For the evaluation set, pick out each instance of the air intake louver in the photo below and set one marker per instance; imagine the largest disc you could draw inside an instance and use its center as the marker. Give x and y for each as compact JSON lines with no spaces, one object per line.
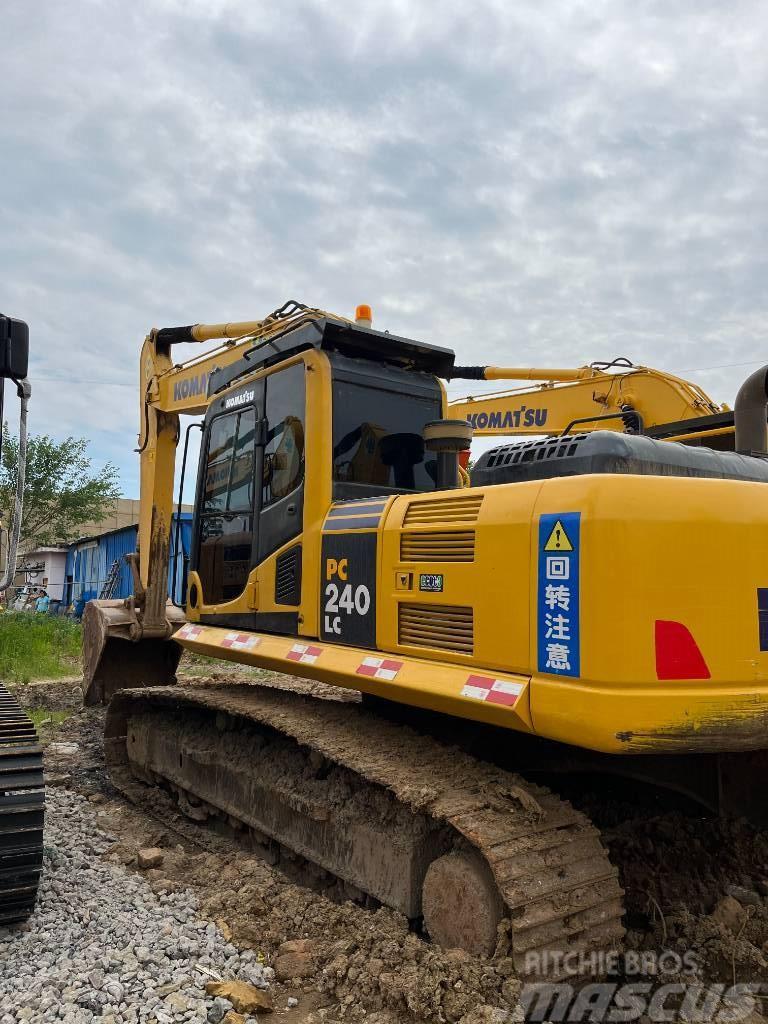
{"x":438,"y":546}
{"x":447,"y":627}
{"x":534,"y":451}
{"x":444,"y":511}
{"x":288,"y":577}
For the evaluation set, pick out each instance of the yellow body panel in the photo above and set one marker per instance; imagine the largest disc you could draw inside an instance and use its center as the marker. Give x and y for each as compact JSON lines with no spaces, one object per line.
{"x":652,"y":549}
{"x":495,"y":580}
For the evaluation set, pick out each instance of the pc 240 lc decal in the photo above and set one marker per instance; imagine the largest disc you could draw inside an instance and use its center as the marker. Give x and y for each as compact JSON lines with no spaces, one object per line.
{"x":348,"y":589}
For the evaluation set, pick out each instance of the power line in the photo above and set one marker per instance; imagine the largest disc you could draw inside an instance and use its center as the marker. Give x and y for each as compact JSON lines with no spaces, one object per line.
{"x":721,"y":366}
{"x":80,"y":380}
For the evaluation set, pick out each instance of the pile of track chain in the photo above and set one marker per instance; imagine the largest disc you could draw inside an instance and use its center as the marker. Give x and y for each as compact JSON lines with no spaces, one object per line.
{"x":22,"y":807}
{"x":561,"y":891}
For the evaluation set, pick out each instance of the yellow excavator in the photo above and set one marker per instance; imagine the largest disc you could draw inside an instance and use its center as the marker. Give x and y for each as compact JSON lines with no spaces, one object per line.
{"x":595,"y":601}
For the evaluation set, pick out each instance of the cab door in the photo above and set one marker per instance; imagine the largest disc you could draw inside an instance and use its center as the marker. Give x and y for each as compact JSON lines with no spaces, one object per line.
{"x":229,"y":496}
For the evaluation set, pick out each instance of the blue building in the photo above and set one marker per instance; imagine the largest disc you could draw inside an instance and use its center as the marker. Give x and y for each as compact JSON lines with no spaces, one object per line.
{"x":90,"y":562}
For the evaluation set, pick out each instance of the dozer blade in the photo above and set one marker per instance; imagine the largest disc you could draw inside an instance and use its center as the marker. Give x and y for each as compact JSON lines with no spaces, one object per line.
{"x":113,"y":661}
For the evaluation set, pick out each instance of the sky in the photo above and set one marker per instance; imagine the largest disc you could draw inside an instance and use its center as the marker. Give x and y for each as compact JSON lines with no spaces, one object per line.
{"x":527,"y":183}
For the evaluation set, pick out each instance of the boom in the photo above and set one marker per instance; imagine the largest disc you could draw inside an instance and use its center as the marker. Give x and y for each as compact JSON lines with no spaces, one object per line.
{"x":631,"y":398}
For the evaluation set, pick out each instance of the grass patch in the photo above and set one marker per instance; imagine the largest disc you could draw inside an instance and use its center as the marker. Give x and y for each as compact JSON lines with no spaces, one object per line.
{"x":41,"y":716}
{"x":38,"y":647}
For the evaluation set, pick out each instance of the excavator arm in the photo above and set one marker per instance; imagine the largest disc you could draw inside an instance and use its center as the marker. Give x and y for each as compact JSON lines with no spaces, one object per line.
{"x":613,"y":396}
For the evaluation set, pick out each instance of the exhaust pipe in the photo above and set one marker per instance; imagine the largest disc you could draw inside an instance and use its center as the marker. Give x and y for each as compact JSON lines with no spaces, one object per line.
{"x":750,"y":414}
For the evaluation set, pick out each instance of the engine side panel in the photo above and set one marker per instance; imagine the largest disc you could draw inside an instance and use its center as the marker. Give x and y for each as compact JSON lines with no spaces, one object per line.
{"x":663,"y":564}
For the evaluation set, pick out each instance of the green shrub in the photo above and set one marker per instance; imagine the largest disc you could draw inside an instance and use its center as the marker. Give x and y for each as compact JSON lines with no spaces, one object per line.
{"x":38,"y":647}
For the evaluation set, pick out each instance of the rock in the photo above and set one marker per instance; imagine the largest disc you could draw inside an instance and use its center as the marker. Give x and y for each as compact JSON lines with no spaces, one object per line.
{"x":224,"y":928}
{"x":257,"y":974}
{"x":150,"y":857}
{"x":294,"y":965}
{"x":97,"y":798}
{"x":296,"y":946}
{"x":115,"y":991}
{"x":96,"y":978}
{"x":729,"y":913}
{"x":245,"y":998}
{"x":165,"y":990}
{"x":746,"y":897}
{"x":217,"y":1010}
{"x":234,"y":1018}
{"x":177,"y":1003}
{"x":63,"y":748}
{"x":57,"y":779}
{"x":295,"y":960}
{"x":292,"y":1001}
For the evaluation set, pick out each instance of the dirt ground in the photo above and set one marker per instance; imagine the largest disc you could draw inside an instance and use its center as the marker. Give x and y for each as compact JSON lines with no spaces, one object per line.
{"x":694,"y":885}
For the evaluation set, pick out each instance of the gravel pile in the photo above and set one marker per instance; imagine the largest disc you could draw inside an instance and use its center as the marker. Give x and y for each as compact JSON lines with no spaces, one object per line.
{"x":102,"y":945}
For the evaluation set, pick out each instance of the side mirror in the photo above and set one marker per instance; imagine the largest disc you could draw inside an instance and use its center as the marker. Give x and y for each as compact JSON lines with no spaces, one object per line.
{"x":14,"y":348}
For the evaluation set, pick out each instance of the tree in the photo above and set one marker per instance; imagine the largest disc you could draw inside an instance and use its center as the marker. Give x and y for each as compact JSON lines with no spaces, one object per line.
{"x":61,"y":492}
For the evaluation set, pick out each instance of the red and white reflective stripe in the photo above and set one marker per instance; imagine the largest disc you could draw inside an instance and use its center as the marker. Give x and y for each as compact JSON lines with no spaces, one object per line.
{"x":379,"y":668}
{"x":494,"y":691}
{"x":305,"y":653}
{"x":189,"y":632}
{"x":240,"y":641}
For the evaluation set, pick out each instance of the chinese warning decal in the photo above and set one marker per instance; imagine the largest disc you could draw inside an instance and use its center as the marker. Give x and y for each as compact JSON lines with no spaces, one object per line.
{"x":558,"y":596}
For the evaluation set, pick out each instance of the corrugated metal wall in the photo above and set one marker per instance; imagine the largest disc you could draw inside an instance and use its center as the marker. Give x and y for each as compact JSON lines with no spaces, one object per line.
{"x":89,"y":563}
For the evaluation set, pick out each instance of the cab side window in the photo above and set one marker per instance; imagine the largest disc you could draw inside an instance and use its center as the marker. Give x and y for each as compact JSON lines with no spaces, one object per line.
{"x":284,"y":451}
{"x":282,"y":490}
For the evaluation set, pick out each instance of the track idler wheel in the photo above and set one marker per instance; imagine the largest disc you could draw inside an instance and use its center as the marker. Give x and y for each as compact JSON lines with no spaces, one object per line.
{"x":461,"y":904}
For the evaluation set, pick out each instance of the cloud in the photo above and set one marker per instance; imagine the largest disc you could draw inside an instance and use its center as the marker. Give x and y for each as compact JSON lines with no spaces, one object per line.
{"x":529,"y":183}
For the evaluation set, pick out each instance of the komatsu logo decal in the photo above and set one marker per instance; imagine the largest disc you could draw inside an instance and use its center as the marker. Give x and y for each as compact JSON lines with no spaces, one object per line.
{"x":242,"y":399}
{"x":189,"y":387}
{"x":498,"y":420}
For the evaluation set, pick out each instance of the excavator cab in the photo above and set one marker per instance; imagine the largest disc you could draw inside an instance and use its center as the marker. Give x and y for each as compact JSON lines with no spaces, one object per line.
{"x":277,"y":450}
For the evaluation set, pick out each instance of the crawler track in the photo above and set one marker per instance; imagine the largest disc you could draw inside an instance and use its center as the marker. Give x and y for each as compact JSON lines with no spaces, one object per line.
{"x":22,"y":807}
{"x":351,"y":778}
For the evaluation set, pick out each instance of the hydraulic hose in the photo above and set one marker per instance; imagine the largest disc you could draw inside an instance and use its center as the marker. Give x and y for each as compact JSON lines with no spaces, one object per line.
{"x":25,"y":392}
